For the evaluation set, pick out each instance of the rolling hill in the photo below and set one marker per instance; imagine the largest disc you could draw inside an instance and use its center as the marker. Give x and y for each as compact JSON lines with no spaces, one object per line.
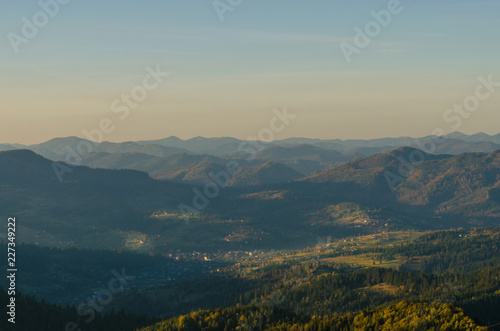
{"x":127,"y":208}
{"x":193,"y":169}
{"x":199,"y":145}
{"x":58,"y":149}
{"x":466,"y":184}
{"x":265,"y":174}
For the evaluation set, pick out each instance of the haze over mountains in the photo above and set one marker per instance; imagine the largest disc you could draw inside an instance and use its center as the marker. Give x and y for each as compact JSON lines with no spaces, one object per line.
{"x":271,"y":201}
{"x":293,"y":188}
{"x":173,"y":166}
{"x":179,"y":208}
{"x":192,"y":161}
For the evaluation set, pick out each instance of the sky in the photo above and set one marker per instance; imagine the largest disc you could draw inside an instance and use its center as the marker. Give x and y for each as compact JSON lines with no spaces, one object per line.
{"x":231,"y":62}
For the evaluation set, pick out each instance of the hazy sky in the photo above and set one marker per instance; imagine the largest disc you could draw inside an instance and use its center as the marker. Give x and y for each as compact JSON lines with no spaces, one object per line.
{"x":226,"y":76}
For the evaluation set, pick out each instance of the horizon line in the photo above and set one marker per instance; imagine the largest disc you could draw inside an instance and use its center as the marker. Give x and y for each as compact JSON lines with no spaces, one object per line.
{"x":276,"y":140}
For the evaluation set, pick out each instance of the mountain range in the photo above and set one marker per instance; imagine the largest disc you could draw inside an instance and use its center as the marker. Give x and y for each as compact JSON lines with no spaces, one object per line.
{"x":192,"y":161}
{"x":266,"y":204}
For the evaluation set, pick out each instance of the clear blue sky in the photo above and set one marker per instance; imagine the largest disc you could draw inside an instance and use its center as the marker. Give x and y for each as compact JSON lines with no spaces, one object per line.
{"x":227,"y":76}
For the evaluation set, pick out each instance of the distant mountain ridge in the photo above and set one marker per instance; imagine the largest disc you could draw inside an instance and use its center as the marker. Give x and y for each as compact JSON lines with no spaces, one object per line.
{"x":273,"y":205}
{"x":227,"y":145}
{"x":463,"y":184}
{"x":192,"y":160}
{"x":199,"y":145}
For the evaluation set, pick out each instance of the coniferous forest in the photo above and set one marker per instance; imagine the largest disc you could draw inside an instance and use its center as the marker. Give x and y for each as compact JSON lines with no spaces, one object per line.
{"x":249,"y":165}
{"x":385,"y":284}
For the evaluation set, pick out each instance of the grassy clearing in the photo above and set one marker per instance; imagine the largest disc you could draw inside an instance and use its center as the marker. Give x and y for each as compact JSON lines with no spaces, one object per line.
{"x":364,"y":260}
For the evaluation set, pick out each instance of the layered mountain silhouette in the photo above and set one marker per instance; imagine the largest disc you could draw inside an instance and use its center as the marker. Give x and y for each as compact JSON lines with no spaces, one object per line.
{"x":223,"y":146}
{"x":192,"y":161}
{"x":466,"y":184}
{"x":422,"y":191}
